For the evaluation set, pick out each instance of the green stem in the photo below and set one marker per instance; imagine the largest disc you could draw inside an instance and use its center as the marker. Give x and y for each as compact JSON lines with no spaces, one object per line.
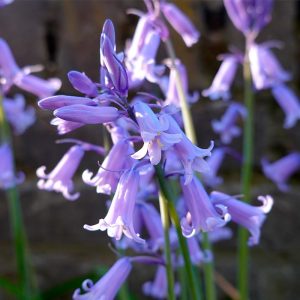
{"x":247,"y":169}
{"x":169,"y":194}
{"x":189,"y":128}
{"x":17,"y":226}
{"x":167,"y":251}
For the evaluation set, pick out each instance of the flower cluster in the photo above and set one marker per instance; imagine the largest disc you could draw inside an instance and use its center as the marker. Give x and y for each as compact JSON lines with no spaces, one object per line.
{"x":266,"y":72}
{"x":14,"y":110}
{"x":146,"y":134}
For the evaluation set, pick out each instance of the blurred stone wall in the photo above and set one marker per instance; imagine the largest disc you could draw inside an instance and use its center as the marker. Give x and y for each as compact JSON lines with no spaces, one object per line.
{"x":63,"y":35}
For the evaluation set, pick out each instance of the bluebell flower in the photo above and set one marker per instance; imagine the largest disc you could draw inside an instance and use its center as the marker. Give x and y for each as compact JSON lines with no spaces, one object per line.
{"x":64,"y":126}
{"x":214,"y":162}
{"x":17,"y":115}
{"x":201,"y":215}
{"x":170,"y":88}
{"x":266,"y":70}
{"x":220,"y":87}
{"x":108,"y":286}
{"x":226,"y":126}
{"x":246,"y":215}
{"x":181,"y":23}
{"x":61,"y":177}
{"x":5,"y":2}
{"x":82,"y":83}
{"x":289,"y":103}
{"x":110,"y":171}
{"x":119,"y":219}
{"x":191,"y":156}
{"x":249,"y":16}
{"x":153,"y":132}
{"x":8,"y":178}
{"x":13,"y":75}
{"x":158,"y":289}
{"x":281,"y":170}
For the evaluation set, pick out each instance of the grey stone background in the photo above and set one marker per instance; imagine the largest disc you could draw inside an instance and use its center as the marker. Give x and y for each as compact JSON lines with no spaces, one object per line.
{"x":64,"y":35}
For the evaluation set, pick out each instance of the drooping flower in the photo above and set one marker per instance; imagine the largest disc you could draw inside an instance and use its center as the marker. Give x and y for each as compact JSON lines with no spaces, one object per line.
{"x":119,"y":218}
{"x":152,"y":221}
{"x":12,"y":74}
{"x":249,"y":16}
{"x":8,"y":178}
{"x":153,"y":132}
{"x":181,"y":23}
{"x":281,"y":170}
{"x":191,"y":156}
{"x":60,"y":179}
{"x":226,"y":126}
{"x":248,"y":216}
{"x":171,"y":89}
{"x":220,"y":87}
{"x":214,"y":162}
{"x":159,"y":287}
{"x":17,"y":115}
{"x":266,"y":70}
{"x":289,"y":103}
{"x":109,"y":173}
{"x":108,"y":286}
{"x":64,"y":126}
{"x":202,"y":215}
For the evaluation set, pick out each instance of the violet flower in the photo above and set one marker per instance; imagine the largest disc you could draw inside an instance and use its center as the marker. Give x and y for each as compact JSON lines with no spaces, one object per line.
{"x":171,"y":91}
{"x":12,"y":74}
{"x":246,"y":215}
{"x":109,"y":173}
{"x":181,"y":23}
{"x":17,"y":115}
{"x":108,"y":286}
{"x":111,"y":63}
{"x":289,"y":103}
{"x":220,"y":87}
{"x":60,"y":179}
{"x":153,"y":132}
{"x":87,"y":114}
{"x":265,"y":68}
{"x":159,"y":287}
{"x":281,"y":170}
{"x":64,"y":126}
{"x":83,"y":83}
{"x":249,"y":16}
{"x":202,"y":214}
{"x":8,"y":179}
{"x":152,"y":221}
{"x":191,"y":156}
{"x":119,"y":218}
{"x":214,"y":162}
{"x":226,"y":126}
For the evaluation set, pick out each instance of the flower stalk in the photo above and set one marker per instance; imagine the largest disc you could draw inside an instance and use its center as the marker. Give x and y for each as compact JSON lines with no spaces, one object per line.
{"x":163,"y":204}
{"x":247,"y":170}
{"x":168,"y":192}
{"x":191,"y":134}
{"x":28,"y":291}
